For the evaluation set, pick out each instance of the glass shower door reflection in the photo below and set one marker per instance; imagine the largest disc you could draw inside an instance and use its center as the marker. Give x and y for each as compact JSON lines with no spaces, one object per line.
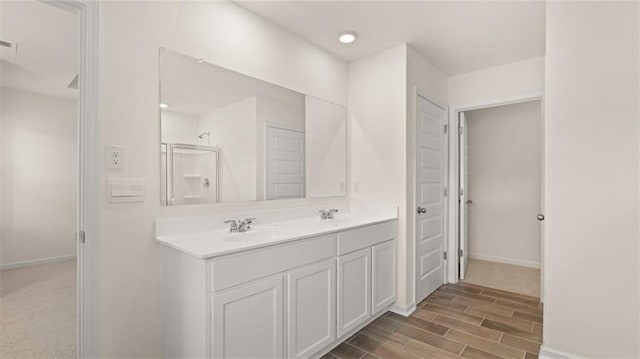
{"x":191,"y":175}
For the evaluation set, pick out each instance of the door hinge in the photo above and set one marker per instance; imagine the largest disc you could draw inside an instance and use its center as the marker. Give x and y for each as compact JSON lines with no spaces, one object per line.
{"x":460,"y":253}
{"x":444,"y":254}
{"x":446,"y":128}
{"x":81,"y":237}
{"x":446,"y":192}
{"x":460,"y":130}
{"x":460,"y":192}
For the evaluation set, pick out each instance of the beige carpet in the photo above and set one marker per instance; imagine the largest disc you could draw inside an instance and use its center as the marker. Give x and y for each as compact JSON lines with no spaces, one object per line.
{"x":507,"y":277}
{"x":38,"y":311}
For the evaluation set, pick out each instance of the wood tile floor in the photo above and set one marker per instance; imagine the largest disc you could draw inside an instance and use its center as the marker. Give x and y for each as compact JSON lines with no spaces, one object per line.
{"x":457,"y":321}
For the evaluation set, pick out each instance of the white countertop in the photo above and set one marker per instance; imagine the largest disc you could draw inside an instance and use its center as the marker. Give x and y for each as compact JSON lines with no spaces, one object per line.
{"x":191,"y":235}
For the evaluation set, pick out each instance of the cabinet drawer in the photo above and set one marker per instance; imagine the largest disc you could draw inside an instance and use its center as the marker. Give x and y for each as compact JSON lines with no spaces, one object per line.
{"x":240,"y":268}
{"x":352,"y":240}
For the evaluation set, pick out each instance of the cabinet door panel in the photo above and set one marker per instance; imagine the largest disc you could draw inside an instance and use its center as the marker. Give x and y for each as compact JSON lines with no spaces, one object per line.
{"x":383,"y":275}
{"x":312,"y":309}
{"x":248,"y":321}
{"x":354,"y":295}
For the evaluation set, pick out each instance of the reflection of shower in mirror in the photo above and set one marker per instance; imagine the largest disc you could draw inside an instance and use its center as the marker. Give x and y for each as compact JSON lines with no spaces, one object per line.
{"x":208,"y":134}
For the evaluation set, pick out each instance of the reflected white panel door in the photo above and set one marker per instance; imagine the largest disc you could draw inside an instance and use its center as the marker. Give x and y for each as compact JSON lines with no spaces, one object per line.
{"x":463,"y":193}
{"x":431,"y":155}
{"x":285,"y":163}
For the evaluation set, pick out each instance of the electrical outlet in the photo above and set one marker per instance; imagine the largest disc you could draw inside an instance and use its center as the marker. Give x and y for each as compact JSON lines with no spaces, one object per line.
{"x":115,"y":157}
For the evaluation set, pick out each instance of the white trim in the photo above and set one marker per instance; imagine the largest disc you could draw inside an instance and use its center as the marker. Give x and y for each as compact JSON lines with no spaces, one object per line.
{"x":89,"y":174}
{"x":452,"y":247}
{"x":284,"y":126}
{"x":550,"y":353}
{"x":515,"y":262}
{"x":404,"y":311}
{"x":35,"y":262}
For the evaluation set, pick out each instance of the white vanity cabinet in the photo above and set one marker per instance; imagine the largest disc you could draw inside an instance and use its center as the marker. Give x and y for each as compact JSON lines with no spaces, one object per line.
{"x":311,"y":308}
{"x":296,"y":299}
{"x":383,"y":274}
{"x":354,"y":290}
{"x":248,"y":322}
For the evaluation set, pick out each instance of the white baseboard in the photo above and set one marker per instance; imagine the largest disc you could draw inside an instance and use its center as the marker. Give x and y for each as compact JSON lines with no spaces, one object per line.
{"x":550,"y":353}
{"x":35,"y":262}
{"x":515,"y":262}
{"x":404,"y":311}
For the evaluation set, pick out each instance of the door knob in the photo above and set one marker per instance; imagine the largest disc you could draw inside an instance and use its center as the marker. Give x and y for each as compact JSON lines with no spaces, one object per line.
{"x":422,"y":210}
{"x":540,"y":217}
{"x":469,"y":201}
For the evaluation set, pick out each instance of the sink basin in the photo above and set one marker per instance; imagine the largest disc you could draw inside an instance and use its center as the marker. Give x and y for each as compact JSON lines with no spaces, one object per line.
{"x":336,"y":222}
{"x":257,"y":234}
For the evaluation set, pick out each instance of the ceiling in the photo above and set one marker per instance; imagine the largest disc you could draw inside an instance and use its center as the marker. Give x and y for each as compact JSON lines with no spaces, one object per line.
{"x":46,"y":61}
{"x":193,"y":87}
{"x":455,"y":36}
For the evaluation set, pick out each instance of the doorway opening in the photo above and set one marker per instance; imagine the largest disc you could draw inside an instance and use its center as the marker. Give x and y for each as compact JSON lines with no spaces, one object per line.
{"x":50,"y":149}
{"x":40,"y":182}
{"x":500,"y":167}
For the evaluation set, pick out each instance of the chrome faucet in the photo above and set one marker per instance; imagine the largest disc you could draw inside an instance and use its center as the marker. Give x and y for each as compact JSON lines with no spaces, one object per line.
{"x":327,"y":214}
{"x":239,"y":226}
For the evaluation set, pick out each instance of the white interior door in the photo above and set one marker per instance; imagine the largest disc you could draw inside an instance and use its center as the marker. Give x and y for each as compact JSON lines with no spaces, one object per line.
{"x":431,"y":156}
{"x":464,"y":200}
{"x":285,"y":163}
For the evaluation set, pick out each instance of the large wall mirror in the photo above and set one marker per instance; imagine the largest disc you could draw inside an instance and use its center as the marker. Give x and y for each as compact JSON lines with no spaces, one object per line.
{"x":228,"y":137}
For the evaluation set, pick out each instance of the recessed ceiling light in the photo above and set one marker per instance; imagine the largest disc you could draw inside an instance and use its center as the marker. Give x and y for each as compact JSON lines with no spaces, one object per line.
{"x":164,"y":105}
{"x":348,"y":37}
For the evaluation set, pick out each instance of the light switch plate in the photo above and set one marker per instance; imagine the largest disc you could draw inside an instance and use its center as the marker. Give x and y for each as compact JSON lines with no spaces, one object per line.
{"x":126,"y":190}
{"x":114,"y":157}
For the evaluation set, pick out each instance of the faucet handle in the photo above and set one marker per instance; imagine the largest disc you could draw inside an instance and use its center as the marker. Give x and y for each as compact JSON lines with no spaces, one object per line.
{"x":249,"y":220}
{"x":234,"y":225}
{"x":327,"y":214}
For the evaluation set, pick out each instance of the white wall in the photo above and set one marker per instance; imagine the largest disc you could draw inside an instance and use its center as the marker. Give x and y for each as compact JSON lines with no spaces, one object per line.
{"x":39,"y":176}
{"x":224,"y":34}
{"x":592,"y":290}
{"x":505,"y":175}
{"x":382,"y":125}
{"x":378,"y":120}
{"x":179,"y":127}
{"x":326,"y":148}
{"x":233,"y":128}
{"x":522,"y":77}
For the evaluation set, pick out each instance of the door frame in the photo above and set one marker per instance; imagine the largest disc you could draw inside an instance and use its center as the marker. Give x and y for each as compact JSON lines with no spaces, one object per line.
{"x":89,"y":161}
{"x":411,"y":207}
{"x":454,"y":176}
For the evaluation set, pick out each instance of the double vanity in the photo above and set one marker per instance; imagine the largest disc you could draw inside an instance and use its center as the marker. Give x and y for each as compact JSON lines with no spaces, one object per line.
{"x":282,"y":283}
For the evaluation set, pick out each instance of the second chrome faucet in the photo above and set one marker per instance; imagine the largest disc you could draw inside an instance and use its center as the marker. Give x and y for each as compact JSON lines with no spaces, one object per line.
{"x":236,"y":226}
{"x":327,"y":214}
